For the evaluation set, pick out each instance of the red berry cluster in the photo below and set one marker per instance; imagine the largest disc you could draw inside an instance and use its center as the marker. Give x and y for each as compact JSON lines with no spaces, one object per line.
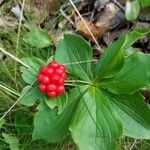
{"x":51,"y":79}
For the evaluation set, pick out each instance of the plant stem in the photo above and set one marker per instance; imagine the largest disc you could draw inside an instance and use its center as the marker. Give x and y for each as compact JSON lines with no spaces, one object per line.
{"x":18,"y":38}
{"x":14,"y":57}
{"x":16,"y":101}
{"x":78,"y":81}
{"x":69,"y":84}
{"x":134,"y":143}
{"x":9,"y":90}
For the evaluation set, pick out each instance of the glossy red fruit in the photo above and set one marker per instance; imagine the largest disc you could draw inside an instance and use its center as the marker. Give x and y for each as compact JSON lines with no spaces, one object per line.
{"x":43,"y":69}
{"x":45,"y":80}
{"x":55,"y":78}
{"x":53,"y":64}
{"x":40,"y":77}
{"x":60,"y":89}
{"x":49,"y":71}
{"x":62,"y":67}
{"x":59,"y":71}
{"x":42,"y":87}
{"x":51,"y":87}
{"x":64,"y":76}
{"x":61,"y":81}
{"x":51,"y":79}
{"x":52,"y":94}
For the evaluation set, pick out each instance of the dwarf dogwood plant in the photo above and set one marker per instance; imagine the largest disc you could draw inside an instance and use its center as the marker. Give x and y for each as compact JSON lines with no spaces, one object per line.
{"x":102,"y":100}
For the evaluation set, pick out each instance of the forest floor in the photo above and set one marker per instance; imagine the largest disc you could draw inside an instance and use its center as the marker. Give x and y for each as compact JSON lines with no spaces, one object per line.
{"x":104,"y":18}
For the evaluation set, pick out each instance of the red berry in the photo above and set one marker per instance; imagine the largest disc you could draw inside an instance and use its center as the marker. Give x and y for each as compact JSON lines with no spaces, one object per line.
{"x":43,"y":69}
{"x":53,"y":64}
{"x":42,"y":87}
{"x":59,"y":71}
{"x":62,"y":67}
{"x":49,"y":71}
{"x":51,"y":79}
{"x":60,"y":89}
{"x":55,"y":78}
{"x":45,"y":80}
{"x":64,"y":76}
{"x":40,"y":77}
{"x":52,"y":94}
{"x":61,"y":81}
{"x":51,"y":87}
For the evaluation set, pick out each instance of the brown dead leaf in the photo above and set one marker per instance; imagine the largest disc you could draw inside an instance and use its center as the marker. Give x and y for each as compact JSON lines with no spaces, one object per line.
{"x":53,"y":4}
{"x":111,"y":17}
{"x":1,"y":1}
{"x":96,"y":31}
{"x":37,"y":9}
{"x":100,"y":4}
{"x":8,"y":22}
{"x":108,"y":19}
{"x":111,"y":36}
{"x":42,"y":8}
{"x":85,"y":4}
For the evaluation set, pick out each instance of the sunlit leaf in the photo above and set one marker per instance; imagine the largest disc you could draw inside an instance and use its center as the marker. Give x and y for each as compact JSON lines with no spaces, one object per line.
{"x":112,"y":59}
{"x":64,"y":100}
{"x":76,"y":53}
{"x":134,"y":114}
{"x":134,"y":75}
{"x":37,"y":38}
{"x":95,"y":124}
{"x":29,"y":95}
{"x":29,"y":73}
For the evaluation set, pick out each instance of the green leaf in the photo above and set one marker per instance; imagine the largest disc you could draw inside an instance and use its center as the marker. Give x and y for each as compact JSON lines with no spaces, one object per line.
{"x":30,"y":96}
{"x":95,"y":124}
{"x":133,"y":36}
{"x":12,"y":141}
{"x":64,"y":100}
{"x":76,"y":53}
{"x":134,"y":75}
{"x":49,"y":125}
{"x":145,"y":3}
{"x":37,"y":38}
{"x":132,"y":10}
{"x":29,"y":74}
{"x":134,"y":114}
{"x":2,"y":121}
{"x":59,"y":101}
{"x":112,"y":59}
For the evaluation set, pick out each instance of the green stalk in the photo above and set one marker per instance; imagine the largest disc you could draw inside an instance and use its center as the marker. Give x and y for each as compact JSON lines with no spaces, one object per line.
{"x":18,"y":38}
{"x":16,"y":101}
{"x":9,"y":90}
{"x":78,"y":81}
{"x":69,"y":84}
{"x":13,"y":57}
